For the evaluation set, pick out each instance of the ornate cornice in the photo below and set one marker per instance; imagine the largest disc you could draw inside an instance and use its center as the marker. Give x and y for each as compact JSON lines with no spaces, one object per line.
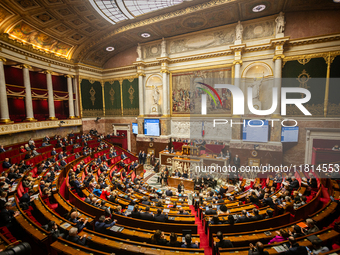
{"x":238,"y":47}
{"x":198,"y":57}
{"x":2,"y":59}
{"x":29,"y":126}
{"x":120,"y":69}
{"x":33,"y":52}
{"x":322,"y":39}
{"x":279,"y":41}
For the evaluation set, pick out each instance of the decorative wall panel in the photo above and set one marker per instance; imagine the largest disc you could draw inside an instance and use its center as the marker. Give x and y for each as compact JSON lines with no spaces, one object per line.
{"x":112,"y":98}
{"x":91,"y":98}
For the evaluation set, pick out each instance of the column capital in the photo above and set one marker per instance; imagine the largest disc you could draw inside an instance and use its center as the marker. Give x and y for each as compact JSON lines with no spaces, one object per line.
{"x":280,"y":56}
{"x":141,"y":74}
{"x":239,"y":62}
{"x":2,"y":59}
{"x":69,"y":76}
{"x":47,"y":72}
{"x":164,"y":71}
{"x":25,"y":66}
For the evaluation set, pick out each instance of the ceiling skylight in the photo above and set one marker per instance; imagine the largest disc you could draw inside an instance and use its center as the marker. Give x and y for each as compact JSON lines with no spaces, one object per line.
{"x":115,"y":11}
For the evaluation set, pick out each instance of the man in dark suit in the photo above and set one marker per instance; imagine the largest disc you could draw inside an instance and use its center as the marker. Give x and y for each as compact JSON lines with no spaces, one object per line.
{"x":267,"y":200}
{"x":6,"y":163}
{"x":2,"y":148}
{"x":258,"y":250}
{"x":7,"y":216}
{"x":243,"y":217}
{"x":146,"y":201}
{"x":222,"y":243}
{"x":180,"y":187}
{"x":295,"y":248}
{"x":63,"y":162}
{"x":156,"y":168}
{"x":80,"y":223}
{"x":26,"y":197}
{"x":147,"y":215}
{"x":294,"y":184}
{"x":100,"y":226}
{"x":53,"y":152}
{"x":172,"y":150}
{"x":210,"y":211}
{"x":237,"y":161}
{"x":123,"y":156}
{"x":256,"y":216}
{"x":144,"y":157}
{"x":140,"y":157}
{"x":160,"y":217}
{"x":168,"y":193}
{"x":73,"y":237}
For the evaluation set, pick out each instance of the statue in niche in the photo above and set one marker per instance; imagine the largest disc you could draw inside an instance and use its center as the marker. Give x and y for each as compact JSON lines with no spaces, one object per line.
{"x":155,"y":94}
{"x":139,"y":52}
{"x":280,"y":23}
{"x":163,"y":45}
{"x":239,"y":31}
{"x":256,"y":88}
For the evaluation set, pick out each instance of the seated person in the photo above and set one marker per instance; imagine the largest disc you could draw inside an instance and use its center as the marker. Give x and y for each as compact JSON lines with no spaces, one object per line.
{"x":185,"y":175}
{"x":7,"y":215}
{"x":312,"y":228}
{"x":297,"y":232}
{"x":158,"y":238}
{"x":215,"y":220}
{"x":281,"y":236}
{"x":123,"y":156}
{"x":257,"y":250}
{"x":336,"y":148}
{"x":188,"y":243}
{"x":172,"y":150}
{"x":210,"y":211}
{"x":26,"y":197}
{"x":166,"y":148}
{"x":173,"y":241}
{"x":181,"y":211}
{"x":52,"y":227}
{"x":295,"y":248}
{"x":243,"y":217}
{"x":222,"y":243}
{"x":147,"y":215}
{"x":168,"y":192}
{"x":73,"y":237}
{"x":6,"y":164}
{"x":160,"y":217}
{"x":135,"y":213}
{"x":317,"y":248}
{"x":256,"y":216}
{"x":80,"y":223}
{"x":101,"y":225}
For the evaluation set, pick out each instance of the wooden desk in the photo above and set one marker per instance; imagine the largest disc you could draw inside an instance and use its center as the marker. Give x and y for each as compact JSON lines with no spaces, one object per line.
{"x":188,"y":184}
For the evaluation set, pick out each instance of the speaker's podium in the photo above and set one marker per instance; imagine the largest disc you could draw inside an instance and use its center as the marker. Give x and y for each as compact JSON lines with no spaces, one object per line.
{"x":190,"y":150}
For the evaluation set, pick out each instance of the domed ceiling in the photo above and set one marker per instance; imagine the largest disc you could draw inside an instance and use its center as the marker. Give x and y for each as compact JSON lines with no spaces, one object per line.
{"x":81,"y":30}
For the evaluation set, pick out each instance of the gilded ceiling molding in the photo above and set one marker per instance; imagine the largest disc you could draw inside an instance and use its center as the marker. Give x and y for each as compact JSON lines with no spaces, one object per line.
{"x":119,"y":69}
{"x":33,"y":53}
{"x":186,"y":11}
{"x":322,"y":39}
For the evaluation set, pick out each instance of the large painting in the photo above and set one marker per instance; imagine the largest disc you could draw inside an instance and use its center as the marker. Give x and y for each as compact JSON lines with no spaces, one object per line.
{"x":188,"y":86}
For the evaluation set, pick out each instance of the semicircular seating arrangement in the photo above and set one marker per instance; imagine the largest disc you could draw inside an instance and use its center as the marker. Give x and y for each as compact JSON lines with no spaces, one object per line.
{"x":93,"y":197}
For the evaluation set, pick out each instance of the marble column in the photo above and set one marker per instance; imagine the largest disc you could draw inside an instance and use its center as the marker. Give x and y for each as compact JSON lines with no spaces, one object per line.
{"x":277,"y":82}
{"x":76,"y":104}
{"x":70,"y":96}
{"x":141,"y":93}
{"x":237,"y":74}
{"x":4,"y":113}
{"x":50,"y":95}
{"x":165,"y":100}
{"x":28,"y":99}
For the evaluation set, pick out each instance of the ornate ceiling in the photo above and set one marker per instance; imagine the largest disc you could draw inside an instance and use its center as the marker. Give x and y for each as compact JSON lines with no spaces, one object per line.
{"x":73,"y":29}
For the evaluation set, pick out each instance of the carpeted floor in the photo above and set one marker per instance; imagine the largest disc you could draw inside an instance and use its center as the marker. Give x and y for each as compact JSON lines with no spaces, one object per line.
{"x":200,"y":230}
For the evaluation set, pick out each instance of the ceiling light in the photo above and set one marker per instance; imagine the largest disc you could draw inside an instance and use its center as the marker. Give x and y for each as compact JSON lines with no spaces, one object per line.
{"x":110,"y":48}
{"x":145,"y":35}
{"x":336,"y":1}
{"x":259,"y":8}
